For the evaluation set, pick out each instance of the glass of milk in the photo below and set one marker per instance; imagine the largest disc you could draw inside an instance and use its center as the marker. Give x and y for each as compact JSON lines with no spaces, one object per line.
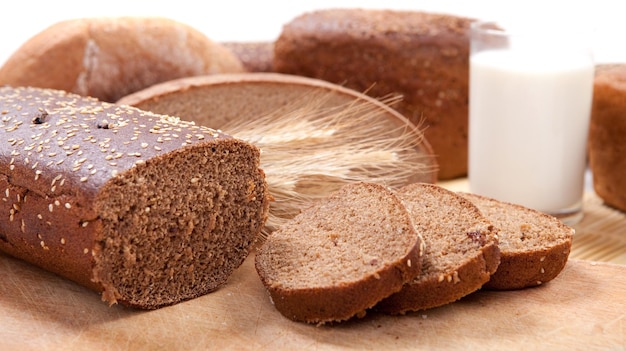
{"x":529,"y":107}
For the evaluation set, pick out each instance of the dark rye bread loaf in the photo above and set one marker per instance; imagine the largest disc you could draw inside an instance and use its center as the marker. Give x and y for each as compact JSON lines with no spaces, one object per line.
{"x":534,"y":246}
{"x":461,"y":249}
{"x":422,"y":56}
{"x":607,"y":135}
{"x":147,"y":209}
{"x":255,"y":56}
{"x":340,"y":256}
{"x":109,"y":57}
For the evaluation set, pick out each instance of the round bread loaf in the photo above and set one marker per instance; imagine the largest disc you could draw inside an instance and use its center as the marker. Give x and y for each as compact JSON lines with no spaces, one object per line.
{"x":340,"y":256}
{"x":422,"y":56}
{"x":607,"y":135}
{"x":534,"y":247}
{"x":147,"y":209}
{"x":221,"y":100}
{"x":461,"y":249}
{"x":109,"y":57}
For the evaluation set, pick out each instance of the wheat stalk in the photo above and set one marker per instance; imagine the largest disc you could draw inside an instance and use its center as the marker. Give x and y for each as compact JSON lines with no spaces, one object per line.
{"x":309,"y":150}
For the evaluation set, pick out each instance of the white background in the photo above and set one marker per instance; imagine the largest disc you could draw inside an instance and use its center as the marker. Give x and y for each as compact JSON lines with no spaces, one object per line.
{"x":237,"y":20}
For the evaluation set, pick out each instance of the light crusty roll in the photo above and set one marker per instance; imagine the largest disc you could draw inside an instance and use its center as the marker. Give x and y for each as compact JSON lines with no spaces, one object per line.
{"x":109,"y":57}
{"x":147,"y":209}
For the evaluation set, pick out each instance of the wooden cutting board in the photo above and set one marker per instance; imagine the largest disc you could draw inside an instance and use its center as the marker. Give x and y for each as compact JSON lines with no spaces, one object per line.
{"x":583,"y":308}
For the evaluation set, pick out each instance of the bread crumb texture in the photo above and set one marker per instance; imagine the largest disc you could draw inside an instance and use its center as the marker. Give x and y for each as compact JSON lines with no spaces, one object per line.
{"x":149,"y":209}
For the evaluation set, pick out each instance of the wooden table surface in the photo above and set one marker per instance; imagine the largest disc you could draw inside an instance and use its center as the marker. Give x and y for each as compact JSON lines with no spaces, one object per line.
{"x":584,"y":308}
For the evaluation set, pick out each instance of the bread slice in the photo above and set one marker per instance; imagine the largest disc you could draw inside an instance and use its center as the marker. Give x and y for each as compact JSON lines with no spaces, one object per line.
{"x":341,"y":256}
{"x":534,"y":246}
{"x":222,"y":100}
{"x":461,"y":249}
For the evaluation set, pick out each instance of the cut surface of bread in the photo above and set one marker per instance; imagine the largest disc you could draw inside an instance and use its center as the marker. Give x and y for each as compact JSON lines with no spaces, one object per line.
{"x":534,"y":246}
{"x":222,"y":101}
{"x":340,"y":256}
{"x":461,"y":250}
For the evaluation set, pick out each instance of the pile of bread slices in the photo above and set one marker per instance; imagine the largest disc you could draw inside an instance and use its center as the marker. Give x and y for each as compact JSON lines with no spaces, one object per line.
{"x":422,"y":246}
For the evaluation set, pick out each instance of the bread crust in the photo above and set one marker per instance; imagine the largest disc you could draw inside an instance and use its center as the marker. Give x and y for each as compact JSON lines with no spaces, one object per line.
{"x":87,"y":190}
{"x":256,"y":56}
{"x":109,"y":57}
{"x":422,"y":56}
{"x":607,"y":145}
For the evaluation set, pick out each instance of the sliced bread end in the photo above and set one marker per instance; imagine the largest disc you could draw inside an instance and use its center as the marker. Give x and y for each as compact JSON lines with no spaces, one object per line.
{"x":534,"y":246}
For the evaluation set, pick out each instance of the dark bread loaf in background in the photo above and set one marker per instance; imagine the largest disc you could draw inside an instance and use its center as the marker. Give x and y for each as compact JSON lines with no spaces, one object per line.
{"x":422,"y":56}
{"x":147,"y":209}
{"x":109,"y":57}
{"x":255,"y":56}
{"x":607,"y":135}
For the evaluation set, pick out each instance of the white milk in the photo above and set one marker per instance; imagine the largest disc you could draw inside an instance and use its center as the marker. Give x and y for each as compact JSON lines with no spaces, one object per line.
{"x":529,"y":120}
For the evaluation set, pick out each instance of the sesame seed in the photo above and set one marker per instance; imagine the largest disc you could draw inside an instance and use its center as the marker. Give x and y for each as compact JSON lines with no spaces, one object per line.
{"x":408,"y":263}
{"x":63,"y":241}
{"x":85,"y":250}
{"x":68,"y":205}
{"x":84,"y":224}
